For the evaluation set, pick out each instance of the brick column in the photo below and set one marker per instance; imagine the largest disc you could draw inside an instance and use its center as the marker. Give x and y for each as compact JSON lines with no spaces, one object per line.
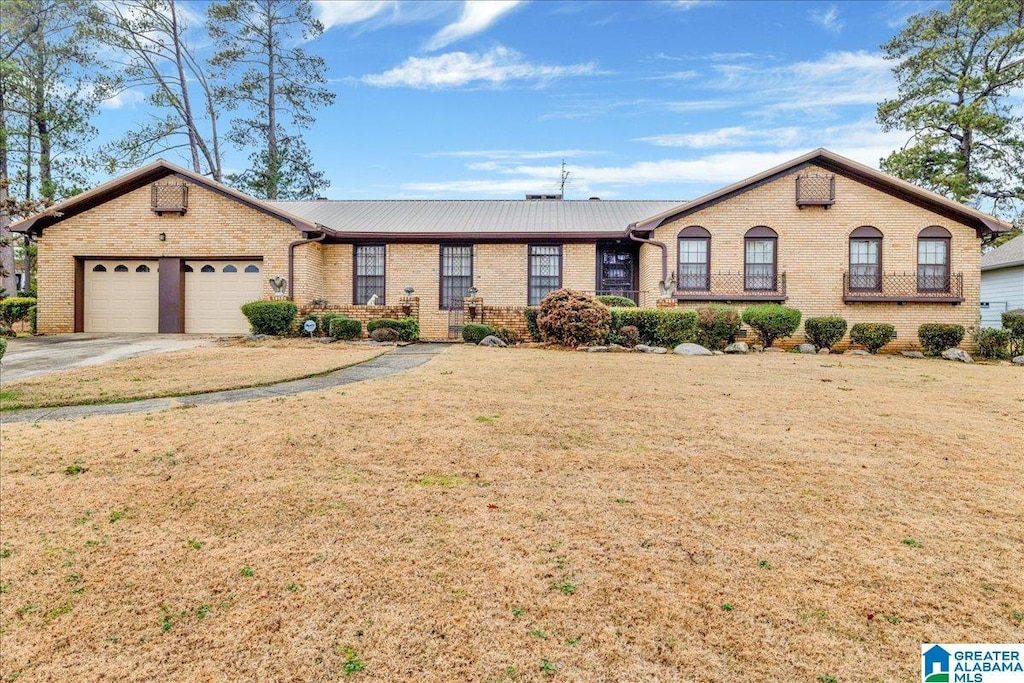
{"x":667,"y":303}
{"x":473,"y":307}
{"x":413,"y":304}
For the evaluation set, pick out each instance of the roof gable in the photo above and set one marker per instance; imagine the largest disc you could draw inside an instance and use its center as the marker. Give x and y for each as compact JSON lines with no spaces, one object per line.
{"x":1005,"y":255}
{"x":823,"y":158}
{"x":140,"y":178}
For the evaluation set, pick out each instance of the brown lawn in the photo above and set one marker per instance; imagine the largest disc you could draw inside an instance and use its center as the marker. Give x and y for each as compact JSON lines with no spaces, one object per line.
{"x":499,"y":514}
{"x":231,"y":364}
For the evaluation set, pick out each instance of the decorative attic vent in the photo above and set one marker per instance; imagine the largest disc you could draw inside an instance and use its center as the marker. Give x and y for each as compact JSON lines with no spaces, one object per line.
{"x":815,"y":189}
{"x":170,"y":198}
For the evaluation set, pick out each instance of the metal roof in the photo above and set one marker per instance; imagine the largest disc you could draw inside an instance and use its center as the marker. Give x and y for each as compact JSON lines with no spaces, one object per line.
{"x":492,"y":216}
{"x":1005,"y":255}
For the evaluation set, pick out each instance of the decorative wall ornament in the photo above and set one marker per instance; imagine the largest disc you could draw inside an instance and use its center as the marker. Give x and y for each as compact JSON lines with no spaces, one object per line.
{"x":280,"y":287}
{"x":668,"y":287}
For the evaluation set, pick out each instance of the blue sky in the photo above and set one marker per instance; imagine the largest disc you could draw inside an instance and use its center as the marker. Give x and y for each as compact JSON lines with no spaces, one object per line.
{"x":643,"y":100}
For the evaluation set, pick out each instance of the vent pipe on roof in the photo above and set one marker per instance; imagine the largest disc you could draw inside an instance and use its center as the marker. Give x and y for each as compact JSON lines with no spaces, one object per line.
{"x":595,"y":199}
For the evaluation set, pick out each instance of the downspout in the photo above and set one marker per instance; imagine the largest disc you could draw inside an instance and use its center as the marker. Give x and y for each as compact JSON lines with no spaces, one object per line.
{"x":659,"y":245}
{"x":291,"y":261}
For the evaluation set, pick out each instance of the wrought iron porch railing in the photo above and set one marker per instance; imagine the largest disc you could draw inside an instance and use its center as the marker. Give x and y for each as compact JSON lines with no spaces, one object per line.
{"x":903,"y":288}
{"x":731,"y":287}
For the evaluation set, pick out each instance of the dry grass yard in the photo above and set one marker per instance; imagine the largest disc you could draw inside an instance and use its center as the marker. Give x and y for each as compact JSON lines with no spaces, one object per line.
{"x":527,"y":515}
{"x":231,"y":364}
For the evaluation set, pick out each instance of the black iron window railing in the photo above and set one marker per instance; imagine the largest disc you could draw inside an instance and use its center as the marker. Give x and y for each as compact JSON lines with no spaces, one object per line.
{"x":760,"y":286}
{"x":169,"y":198}
{"x":905,"y":287}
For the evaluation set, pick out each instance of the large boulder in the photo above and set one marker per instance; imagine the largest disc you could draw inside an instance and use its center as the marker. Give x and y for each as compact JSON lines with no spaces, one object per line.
{"x":597,"y":349}
{"x":912,"y":354}
{"x":644,"y":348}
{"x":1018,"y":360}
{"x":692,"y":350}
{"x":807,"y":348}
{"x":737,"y":347}
{"x":491,"y":340}
{"x":957,"y":354}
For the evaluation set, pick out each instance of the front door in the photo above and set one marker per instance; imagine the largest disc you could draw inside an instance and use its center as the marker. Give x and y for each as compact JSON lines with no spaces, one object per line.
{"x":617,"y":271}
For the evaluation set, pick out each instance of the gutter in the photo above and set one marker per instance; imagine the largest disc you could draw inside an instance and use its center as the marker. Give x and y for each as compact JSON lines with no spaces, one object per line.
{"x":291,"y":261}
{"x":660,"y":245}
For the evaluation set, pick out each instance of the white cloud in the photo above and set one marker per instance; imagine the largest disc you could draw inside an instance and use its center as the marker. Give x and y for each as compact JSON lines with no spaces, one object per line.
{"x":455,"y":69}
{"x":125,"y":98}
{"x":688,"y":4}
{"x":333,"y":13}
{"x":514,"y":154}
{"x":827,"y":18}
{"x":587,"y":108}
{"x":476,"y":16}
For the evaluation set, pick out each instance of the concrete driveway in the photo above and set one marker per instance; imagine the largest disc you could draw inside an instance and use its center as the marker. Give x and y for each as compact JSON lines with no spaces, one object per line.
{"x":31,"y":356}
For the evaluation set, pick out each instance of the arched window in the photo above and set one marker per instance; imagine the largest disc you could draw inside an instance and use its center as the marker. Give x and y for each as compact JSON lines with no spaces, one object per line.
{"x":99,"y":268}
{"x":933,"y":259}
{"x":252,"y":269}
{"x":142,"y":269}
{"x":188,"y":268}
{"x":759,"y":264}
{"x":866,"y":259}
{"x":121,"y":269}
{"x":207,"y":269}
{"x":229,"y":269}
{"x":694,"y":262}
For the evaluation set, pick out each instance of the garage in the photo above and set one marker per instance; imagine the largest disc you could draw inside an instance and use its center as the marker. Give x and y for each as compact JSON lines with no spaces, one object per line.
{"x":121,"y":296}
{"x":215,"y":292}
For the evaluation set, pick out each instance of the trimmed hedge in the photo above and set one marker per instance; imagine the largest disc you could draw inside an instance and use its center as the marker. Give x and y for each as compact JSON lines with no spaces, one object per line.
{"x":15,"y":308}
{"x":872,"y":335}
{"x":322,"y":320}
{"x":772,"y":321}
{"x":408,"y":328}
{"x":645,"y":320}
{"x":571,"y":318}
{"x":1014,"y":322}
{"x":473,"y":333}
{"x":615,"y":300}
{"x":345,"y":328}
{"x":531,"y":323}
{"x":937,"y":337}
{"x":510,"y":337}
{"x":825,"y":332}
{"x":270,"y":317}
{"x":3,"y":347}
{"x":993,"y":343}
{"x":717,"y":326}
{"x":675,"y":327}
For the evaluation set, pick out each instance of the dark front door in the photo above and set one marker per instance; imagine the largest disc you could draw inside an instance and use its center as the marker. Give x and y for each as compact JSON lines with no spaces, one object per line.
{"x":617,"y":271}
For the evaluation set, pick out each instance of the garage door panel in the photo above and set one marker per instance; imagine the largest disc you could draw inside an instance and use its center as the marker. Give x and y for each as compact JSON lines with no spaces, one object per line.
{"x":121,"y":296}
{"x":215,"y":292}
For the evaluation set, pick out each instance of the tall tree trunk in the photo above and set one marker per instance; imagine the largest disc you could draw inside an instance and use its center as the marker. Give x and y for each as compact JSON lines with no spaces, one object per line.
{"x":190,"y":122}
{"x":273,"y":164}
{"x":42,"y":122}
{"x":7,"y":279}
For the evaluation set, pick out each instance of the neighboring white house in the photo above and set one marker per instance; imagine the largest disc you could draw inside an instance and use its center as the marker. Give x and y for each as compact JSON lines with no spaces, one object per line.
{"x":1002,"y":281}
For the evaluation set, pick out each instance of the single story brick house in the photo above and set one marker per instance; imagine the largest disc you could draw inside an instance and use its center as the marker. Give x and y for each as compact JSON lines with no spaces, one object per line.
{"x":163,"y":249}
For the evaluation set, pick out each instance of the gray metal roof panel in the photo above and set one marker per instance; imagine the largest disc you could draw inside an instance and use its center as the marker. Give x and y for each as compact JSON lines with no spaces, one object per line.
{"x":469,"y":216}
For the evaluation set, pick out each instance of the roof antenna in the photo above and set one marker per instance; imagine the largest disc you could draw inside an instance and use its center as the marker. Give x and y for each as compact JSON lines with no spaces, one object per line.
{"x":565,"y":178}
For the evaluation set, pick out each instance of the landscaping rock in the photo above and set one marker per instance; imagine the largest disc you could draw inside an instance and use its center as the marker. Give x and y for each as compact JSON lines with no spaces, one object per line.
{"x":255,"y":337}
{"x":1018,"y":360}
{"x":957,"y":354}
{"x":326,"y":340}
{"x":597,"y":349}
{"x":692,"y":350}
{"x":716,"y":352}
{"x":773,"y":349}
{"x":737,"y":347}
{"x":491,"y":340}
{"x":912,"y":354}
{"x":807,"y":348}
{"x":824,"y":352}
{"x":758,"y":348}
{"x":617,"y":348}
{"x":857,"y":352}
{"x":644,"y":348}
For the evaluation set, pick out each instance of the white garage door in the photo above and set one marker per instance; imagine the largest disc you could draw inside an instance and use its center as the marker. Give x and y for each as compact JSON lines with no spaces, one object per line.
{"x":215,"y":292}
{"x":121,"y":296}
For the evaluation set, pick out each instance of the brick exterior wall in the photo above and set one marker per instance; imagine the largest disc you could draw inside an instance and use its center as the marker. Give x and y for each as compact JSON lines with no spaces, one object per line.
{"x":126,"y":227}
{"x":813,"y":251}
{"x":365,"y":314}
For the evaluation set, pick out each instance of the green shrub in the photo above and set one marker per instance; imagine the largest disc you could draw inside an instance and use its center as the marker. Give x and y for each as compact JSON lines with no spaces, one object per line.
{"x":270,"y":317}
{"x":345,"y":328}
{"x":531,"y":323}
{"x":322,"y":320}
{"x":645,"y":320}
{"x":32,"y":313}
{"x":717,"y":326}
{"x":675,"y":327}
{"x":629,"y":335}
{"x":3,"y":347}
{"x":15,"y":308}
{"x":993,"y":343}
{"x":825,"y":332}
{"x":937,"y":337}
{"x":408,"y":328}
{"x":1014,"y":322}
{"x":572,"y":318}
{"x":872,"y":335}
{"x":473,"y":333}
{"x":384,"y":334}
{"x":611,"y":300}
{"x":510,"y":337}
{"x":6,"y":331}
{"x":771,"y":321}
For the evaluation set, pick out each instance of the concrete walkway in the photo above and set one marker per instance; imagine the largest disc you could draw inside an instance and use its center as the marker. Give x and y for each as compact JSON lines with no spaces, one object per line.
{"x":391,"y":363}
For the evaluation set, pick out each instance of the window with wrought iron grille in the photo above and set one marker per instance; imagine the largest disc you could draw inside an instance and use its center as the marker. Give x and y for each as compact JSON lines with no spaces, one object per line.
{"x":866,"y":259}
{"x":456,"y":275}
{"x":933,"y":264}
{"x":368,"y":268}
{"x":545,"y":271}
{"x":759,"y":266}
{"x":694,"y":263}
